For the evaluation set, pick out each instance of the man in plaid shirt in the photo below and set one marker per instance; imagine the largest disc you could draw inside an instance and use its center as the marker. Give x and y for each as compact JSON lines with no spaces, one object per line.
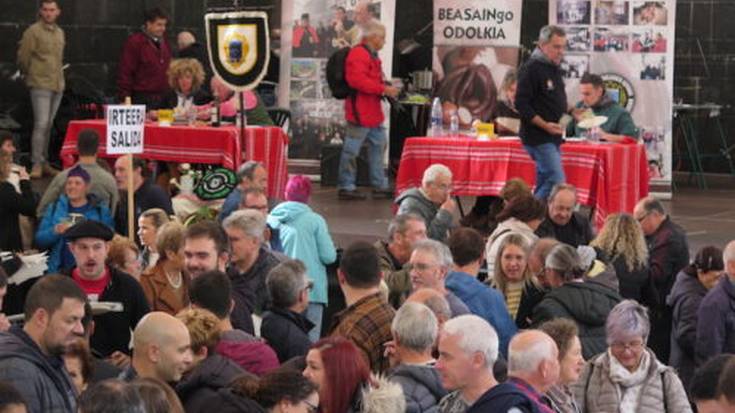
{"x":367,"y":319}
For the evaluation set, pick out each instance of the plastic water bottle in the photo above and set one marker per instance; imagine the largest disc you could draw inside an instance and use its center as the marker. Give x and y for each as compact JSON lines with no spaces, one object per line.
{"x":454,"y":124}
{"x":436,"y":118}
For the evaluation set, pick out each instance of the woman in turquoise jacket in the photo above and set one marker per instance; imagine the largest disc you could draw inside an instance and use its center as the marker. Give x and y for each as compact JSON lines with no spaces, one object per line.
{"x":305,"y":236}
{"x":57,"y":218}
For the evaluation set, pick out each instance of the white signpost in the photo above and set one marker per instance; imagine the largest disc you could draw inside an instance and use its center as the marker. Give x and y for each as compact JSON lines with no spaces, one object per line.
{"x":125,"y":135}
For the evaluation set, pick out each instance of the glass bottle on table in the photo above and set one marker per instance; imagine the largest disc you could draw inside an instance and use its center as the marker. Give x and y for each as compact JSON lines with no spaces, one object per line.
{"x":454,"y":124}
{"x":215,"y":113}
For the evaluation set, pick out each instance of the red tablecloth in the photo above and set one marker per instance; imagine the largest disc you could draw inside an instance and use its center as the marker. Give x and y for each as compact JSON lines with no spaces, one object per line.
{"x":204,"y":144}
{"x":609,"y":177}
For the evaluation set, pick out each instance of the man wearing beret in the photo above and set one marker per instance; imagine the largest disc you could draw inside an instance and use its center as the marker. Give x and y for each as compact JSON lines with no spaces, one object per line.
{"x":75,"y":204}
{"x":88,"y":241}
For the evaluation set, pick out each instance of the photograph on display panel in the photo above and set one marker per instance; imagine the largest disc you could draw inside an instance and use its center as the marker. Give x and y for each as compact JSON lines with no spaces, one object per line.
{"x":653,"y":67}
{"x":650,"y":13}
{"x":573,"y":12}
{"x":647,"y":40}
{"x":611,"y":12}
{"x":610,"y":40}
{"x":574,"y":66}
{"x":578,"y":39}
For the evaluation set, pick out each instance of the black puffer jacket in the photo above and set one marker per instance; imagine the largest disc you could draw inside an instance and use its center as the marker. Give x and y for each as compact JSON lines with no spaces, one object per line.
{"x":422,"y":387}
{"x":588,"y":304}
{"x":212,"y":374}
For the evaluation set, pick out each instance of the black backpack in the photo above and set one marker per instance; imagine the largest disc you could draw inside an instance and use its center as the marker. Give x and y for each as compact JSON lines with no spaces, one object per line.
{"x":336,"y":74}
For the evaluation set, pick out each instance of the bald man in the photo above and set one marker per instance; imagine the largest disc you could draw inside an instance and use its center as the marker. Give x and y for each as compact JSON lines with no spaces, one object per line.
{"x":161,"y":349}
{"x":533,"y":368}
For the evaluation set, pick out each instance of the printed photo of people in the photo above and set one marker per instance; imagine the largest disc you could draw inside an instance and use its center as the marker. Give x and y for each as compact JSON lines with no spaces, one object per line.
{"x":653,"y":67}
{"x":578,"y":39}
{"x":315,"y":123}
{"x":610,"y":40}
{"x":469,"y":78}
{"x":613,"y":12}
{"x":304,"y":89}
{"x":650,"y":12}
{"x":574,"y":66}
{"x":654,"y":140}
{"x":648,"y":41}
{"x":573,"y":12}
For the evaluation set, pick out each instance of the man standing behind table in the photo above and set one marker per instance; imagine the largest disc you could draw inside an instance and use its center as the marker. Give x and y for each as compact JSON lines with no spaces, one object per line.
{"x":144,"y":61}
{"x":40,"y":60}
{"x":364,"y":114}
{"x":541,"y":101}
{"x":619,"y":124}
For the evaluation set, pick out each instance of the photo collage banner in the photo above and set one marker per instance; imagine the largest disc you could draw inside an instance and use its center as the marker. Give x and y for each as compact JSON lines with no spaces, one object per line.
{"x":476,"y":43}
{"x":312,"y":31}
{"x":630,"y":43}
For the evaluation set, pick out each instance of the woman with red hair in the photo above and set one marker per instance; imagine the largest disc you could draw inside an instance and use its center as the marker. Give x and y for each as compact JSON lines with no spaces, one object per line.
{"x":339,"y":371}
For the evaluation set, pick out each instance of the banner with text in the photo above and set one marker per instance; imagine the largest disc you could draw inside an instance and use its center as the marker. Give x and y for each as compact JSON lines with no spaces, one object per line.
{"x":125,"y":127}
{"x":476,"y":44}
{"x":312,"y":30}
{"x":631,"y":45}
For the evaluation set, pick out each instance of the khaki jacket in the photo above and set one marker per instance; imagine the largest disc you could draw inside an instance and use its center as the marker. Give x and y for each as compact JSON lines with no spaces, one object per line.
{"x":662,"y":390}
{"x":41,"y":55}
{"x":159,"y":293}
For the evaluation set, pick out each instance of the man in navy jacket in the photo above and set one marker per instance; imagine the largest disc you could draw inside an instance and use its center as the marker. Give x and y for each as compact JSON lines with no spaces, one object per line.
{"x":541,"y":100}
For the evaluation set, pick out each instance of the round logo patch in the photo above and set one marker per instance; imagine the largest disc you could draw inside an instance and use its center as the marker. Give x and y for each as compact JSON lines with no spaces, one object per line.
{"x":620,"y":90}
{"x":216,"y":184}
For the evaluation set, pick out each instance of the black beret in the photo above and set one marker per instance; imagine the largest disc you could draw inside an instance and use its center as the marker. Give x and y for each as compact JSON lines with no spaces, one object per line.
{"x":89,"y":229}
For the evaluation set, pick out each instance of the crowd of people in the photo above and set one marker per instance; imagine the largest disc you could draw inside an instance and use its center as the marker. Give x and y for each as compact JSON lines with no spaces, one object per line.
{"x":532,"y":311}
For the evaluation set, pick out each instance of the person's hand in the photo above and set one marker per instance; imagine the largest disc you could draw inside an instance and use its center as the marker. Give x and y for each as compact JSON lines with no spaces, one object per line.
{"x":119,"y":359}
{"x":449,"y":205}
{"x":553,"y":128}
{"x":61,"y":228}
{"x":391,"y":91}
{"x":153,"y":115}
{"x":389,"y":352}
{"x":611,"y":138}
{"x":4,"y":323}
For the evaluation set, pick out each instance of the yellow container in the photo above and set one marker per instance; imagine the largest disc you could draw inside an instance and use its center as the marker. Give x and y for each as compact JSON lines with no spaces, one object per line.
{"x":485,"y":130}
{"x":165,"y":116}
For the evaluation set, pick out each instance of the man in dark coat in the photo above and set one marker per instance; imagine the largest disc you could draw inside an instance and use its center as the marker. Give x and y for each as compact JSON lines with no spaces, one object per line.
{"x":415,"y":329}
{"x":30,"y":357}
{"x":668,"y":253}
{"x":562,"y":222}
{"x":717,"y":334}
{"x":285,"y":327}
{"x":88,"y":242}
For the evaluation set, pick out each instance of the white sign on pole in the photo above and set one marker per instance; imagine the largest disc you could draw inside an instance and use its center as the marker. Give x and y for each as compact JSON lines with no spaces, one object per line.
{"x":477,"y":23}
{"x":125,"y":126}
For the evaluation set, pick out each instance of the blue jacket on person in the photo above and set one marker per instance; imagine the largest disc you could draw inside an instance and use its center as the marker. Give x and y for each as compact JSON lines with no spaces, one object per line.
{"x":56,"y":213}
{"x":485,"y":302}
{"x":305,"y":236}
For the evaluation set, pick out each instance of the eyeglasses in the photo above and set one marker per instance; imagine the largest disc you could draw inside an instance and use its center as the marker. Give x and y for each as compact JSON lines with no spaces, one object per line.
{"x":421,"y":267}
{"x":443,"y":187}
{"x":309,"y":286}
{"x":643,"y":217}
{"x":633,"y":346}
{"x":310,"y":407}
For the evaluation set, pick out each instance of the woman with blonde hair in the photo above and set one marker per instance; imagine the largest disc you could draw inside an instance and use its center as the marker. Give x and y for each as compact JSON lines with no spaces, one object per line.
{"x":166,"y":285}
{"x":185,"y":78}
{"x":514,"y":279}
{"x":621,"y":243}
{"x":149,"y":222}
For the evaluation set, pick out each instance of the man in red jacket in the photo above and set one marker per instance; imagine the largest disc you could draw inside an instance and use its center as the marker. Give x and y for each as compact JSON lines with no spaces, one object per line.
{"x":144,"y":61}
{"x":364,"y":113}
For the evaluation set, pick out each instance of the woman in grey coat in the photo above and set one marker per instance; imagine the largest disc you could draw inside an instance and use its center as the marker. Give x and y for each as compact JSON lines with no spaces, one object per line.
{"x":628,"y":377}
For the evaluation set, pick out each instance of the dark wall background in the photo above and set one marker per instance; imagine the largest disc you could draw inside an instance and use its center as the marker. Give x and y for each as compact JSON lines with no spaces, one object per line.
{"x":96,"y":29}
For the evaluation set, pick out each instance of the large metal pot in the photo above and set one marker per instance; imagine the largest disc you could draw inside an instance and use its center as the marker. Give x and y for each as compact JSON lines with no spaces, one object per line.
{"x":423,"y":80}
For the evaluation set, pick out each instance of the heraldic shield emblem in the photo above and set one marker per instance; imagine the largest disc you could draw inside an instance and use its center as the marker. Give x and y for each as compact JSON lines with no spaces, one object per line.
{"x":239,"y":47}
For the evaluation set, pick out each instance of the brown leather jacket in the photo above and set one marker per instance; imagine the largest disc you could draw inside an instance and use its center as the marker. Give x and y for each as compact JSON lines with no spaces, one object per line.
{"x":160,"y":294}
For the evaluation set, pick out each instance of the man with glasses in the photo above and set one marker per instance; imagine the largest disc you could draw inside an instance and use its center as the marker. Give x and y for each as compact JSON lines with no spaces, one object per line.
{"x":284,"y":326}
{"x":255,"y":198}
{"x":668,"y":253}
{"x":250,"y":260}
{"x":430,"y":262}
{"x":432,"y":202}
